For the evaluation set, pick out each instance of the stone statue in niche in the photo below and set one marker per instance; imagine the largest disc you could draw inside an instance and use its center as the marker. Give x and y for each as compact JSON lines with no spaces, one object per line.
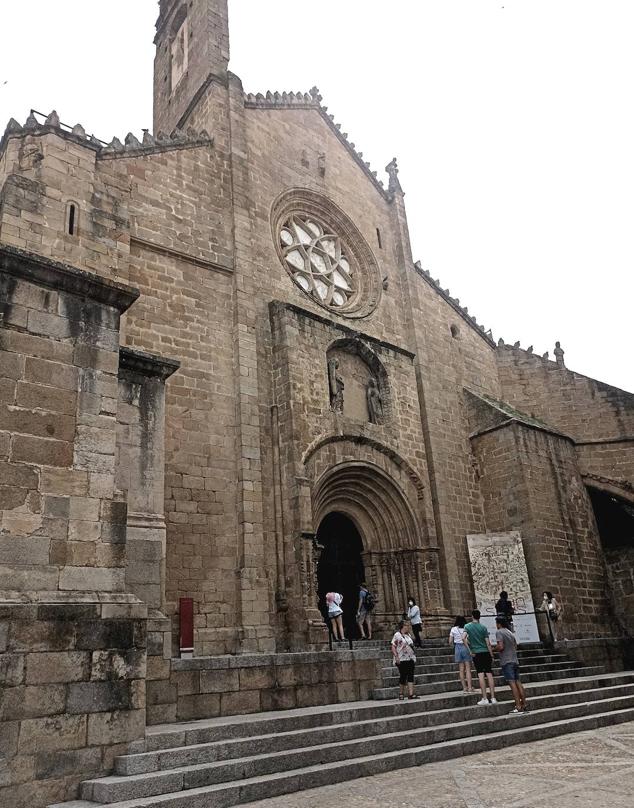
{"x":375,"y":403}
{"x":336,"y":385}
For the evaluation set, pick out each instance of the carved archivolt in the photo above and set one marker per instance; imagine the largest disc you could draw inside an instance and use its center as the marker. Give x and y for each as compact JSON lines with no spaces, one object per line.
{"x":399,"y":461}
{"x":325,"y":254}
{"x":373,"y":501}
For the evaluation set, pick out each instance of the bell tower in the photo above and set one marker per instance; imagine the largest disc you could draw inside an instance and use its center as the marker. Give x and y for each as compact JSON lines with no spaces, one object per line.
{"x":192,"y":52}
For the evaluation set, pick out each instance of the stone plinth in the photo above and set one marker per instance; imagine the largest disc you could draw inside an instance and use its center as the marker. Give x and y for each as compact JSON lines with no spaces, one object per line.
{"x":73,"y":692}
{"x":205,"y":687}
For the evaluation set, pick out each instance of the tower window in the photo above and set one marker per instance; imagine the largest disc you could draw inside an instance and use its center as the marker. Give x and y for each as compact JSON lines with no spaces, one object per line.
{"x":179,"y":48}
{"x":455,"y":331}
{"x":378,"y":238}
{"x":72,"y":218}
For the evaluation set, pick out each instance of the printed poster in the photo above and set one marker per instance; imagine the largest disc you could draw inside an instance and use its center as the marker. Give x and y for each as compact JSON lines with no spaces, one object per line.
{"x":497,"y":563}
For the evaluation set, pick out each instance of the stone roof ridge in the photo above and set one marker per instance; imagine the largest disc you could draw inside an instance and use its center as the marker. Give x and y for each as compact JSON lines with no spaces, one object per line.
{"x":509,"y":413}
{"x":313,"y":100}
{"x":41,"y":123}
{"x":454,"y":302}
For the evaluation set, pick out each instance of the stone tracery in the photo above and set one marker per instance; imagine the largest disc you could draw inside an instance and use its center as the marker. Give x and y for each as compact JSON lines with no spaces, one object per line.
{"x":317,"y":260}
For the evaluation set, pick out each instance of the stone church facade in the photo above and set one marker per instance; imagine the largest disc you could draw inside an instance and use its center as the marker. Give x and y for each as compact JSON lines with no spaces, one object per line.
{"x":224,"y":378}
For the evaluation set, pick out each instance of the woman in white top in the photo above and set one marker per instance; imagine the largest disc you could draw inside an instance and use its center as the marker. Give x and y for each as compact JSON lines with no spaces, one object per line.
{"x":334,"y":599}
{"x":404,"y":659}
{"x":459,"y":638}
{"x":413,"y":613}
{"x":555,"y":612}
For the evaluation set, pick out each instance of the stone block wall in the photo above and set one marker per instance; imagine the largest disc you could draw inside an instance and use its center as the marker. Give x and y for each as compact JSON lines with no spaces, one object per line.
{"x":620,"y":574}
{"x":188,"y":689}
{"x":72,"y":641}
{"x":72,"y":694}
{"x":584,"y":408}
{"x":42,"y":173}
{"x":530,"y":482}
{"x":62,"y":522}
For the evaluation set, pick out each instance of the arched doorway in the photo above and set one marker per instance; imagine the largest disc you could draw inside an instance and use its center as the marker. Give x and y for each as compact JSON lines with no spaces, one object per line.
{"x":340,"y":566}
{"x":394,"y":563}
{"x":615,"y":521}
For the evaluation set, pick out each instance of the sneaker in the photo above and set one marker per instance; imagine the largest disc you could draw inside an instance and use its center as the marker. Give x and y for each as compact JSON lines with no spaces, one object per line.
{"x":515,"y":711}
{"x":493,"y":701}
{"x":483,"y":702}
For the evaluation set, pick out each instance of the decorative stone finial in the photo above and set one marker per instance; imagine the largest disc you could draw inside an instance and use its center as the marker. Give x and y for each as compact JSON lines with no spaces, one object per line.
{"x":315,"y":95}
{"x":500,"y":343}
{"x":148,"y":140}
{"x":516,"y":344}
{"x":78,"y":130}
{"x":13,"y":127}
{"x":31,"y":122}
{"x":559,"y":354}
{"x":392,"y":171}
{"x":529,"y":349}
{"x":545,"y":356}
{"x":132,"y":141}
{"x":52,"y":120}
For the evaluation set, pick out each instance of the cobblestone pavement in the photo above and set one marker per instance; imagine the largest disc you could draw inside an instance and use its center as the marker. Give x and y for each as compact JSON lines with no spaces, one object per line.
{"x":585,"y":770}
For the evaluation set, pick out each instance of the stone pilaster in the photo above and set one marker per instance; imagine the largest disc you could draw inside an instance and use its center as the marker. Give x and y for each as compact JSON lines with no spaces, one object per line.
{"x":72,"y":641}
{"x":254,"y":594}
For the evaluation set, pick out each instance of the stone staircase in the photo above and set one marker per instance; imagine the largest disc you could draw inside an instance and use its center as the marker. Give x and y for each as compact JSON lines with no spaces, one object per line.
{"x":235,"y":760}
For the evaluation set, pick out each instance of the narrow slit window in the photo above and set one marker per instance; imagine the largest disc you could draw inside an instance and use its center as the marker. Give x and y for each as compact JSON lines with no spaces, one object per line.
{"x":72,"y":219}
{"x":378,"y":238}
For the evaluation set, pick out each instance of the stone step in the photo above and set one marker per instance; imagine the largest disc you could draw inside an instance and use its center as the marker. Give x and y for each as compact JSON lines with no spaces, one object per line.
{"x":423,"y":674}
{"x":386,"y":660}
{"x":423,"y":667}
{"x":223,"y":783}
{"x":335,"y":733}
{"x":442,"y":686}
{"x":165,"y":736}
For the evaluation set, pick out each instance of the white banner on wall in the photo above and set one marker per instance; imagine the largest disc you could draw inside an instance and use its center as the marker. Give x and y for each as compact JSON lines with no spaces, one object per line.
{"x":498,"y":563}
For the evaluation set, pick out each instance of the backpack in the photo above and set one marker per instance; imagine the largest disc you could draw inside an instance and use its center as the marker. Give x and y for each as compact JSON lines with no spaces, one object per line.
{"x":370,"y":602}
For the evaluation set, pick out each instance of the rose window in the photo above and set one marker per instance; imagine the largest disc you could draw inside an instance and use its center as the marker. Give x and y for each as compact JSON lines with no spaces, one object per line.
{"x":317,"y":261}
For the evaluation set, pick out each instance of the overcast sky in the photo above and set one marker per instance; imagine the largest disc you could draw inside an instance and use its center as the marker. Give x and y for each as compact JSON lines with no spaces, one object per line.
{"x":512,"y":120}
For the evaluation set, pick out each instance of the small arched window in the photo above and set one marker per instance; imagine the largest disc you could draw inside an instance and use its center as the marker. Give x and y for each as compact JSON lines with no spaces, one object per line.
{"x":72,"y":218}
{"x":455,"y":331}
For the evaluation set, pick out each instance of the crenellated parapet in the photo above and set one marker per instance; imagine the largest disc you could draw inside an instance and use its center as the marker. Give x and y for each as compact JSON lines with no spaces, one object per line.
{"x":454,"y":302}
{"x":39,"y":124}
{"x":528,"y":354}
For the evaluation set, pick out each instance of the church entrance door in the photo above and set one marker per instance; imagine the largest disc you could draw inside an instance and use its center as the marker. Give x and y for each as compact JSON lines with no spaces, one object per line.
{"x":340,"y":567}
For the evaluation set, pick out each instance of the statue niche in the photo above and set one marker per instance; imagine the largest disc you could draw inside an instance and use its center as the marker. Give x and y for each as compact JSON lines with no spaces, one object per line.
{"x":375,"y":402}
{"x":336,"y":385}
{"x":363,"y":401}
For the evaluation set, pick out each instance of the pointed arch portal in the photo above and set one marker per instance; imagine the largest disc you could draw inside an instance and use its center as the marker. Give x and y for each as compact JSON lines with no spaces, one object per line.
{"x":367,"y":531}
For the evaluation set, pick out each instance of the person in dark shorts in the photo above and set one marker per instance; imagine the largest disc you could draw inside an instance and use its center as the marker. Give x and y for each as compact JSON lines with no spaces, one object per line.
{"x":480,"y":646}
{"x":506,"y":646}
{"x":404,"y":659}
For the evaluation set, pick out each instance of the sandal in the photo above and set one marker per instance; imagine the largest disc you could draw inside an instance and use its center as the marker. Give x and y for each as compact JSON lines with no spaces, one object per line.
{"x":401,"y":697}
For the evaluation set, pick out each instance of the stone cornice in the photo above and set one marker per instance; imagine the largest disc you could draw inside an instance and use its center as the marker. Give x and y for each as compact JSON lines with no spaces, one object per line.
{"x":181,"y":256}
{"x":147,"y":364}
{"x":462,"y":311}
{"x":519,"y":422}
{"x":61,"y":277}
{"x":352,"y":333}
